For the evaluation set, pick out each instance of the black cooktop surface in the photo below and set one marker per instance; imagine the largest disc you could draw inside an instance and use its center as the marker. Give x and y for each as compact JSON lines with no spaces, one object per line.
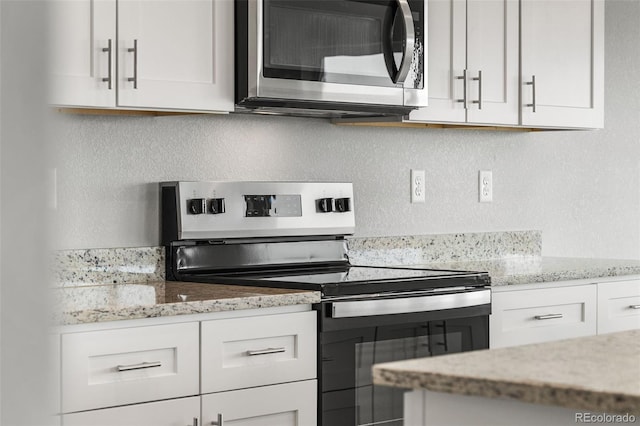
{"x":351,"y":280}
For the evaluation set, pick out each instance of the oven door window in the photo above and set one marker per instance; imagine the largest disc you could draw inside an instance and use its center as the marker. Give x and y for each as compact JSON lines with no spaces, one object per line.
{"x":348,"y":394}
{"x":334,"y":41}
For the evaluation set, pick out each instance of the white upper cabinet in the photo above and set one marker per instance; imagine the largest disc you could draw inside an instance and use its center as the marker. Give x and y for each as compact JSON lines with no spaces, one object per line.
{"x":170,"y":54}
{"x":473,"y":62}
{"x":563,"y":63}
{"x":80,"y":60}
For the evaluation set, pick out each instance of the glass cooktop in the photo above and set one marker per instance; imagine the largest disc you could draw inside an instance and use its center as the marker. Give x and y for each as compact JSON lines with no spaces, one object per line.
{"x":353,"y":280}
{"x":366,"y":273}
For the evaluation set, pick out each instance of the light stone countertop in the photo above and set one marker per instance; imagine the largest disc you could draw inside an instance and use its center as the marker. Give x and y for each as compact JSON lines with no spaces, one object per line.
{"x":597,"y":373}
{"x":111,"y":302}
{"x":515,"y":270}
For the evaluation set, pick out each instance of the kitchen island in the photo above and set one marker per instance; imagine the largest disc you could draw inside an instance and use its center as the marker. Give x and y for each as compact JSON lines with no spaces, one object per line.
{"x":562,"y":382}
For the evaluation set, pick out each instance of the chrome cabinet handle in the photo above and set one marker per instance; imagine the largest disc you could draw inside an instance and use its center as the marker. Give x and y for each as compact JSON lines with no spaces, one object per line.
{"x":549,"y":316}
{"x":634,"y":306}
{"x":532,"y":83}
{"x":479,"y":80}
{"x":266,"y":351}
{"x":108,"y":51}
{"x":463,"y":77}
{"x":140,"y":366}
{"x":219,"y":422}
{"x":134,"y":50}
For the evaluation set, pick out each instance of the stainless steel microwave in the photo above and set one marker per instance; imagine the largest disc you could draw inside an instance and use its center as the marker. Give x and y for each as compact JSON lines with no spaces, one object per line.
{"x":331,"y":57}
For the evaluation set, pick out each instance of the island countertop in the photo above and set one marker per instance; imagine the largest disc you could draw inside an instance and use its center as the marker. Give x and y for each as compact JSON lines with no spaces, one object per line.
{"x":596,"y":373}
{"x":111,"y":302}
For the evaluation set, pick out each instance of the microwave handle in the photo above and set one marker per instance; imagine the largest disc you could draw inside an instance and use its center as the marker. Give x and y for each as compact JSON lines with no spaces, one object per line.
{"x":398,"y":75}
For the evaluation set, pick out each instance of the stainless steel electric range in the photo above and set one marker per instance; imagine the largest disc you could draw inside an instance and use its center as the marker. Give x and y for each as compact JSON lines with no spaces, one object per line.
{"x":292,"y":235}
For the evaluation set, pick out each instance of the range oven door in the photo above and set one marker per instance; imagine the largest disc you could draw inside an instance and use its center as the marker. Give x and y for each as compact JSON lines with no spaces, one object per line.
{"x":350,"y":345}
{"x":331,"y":51}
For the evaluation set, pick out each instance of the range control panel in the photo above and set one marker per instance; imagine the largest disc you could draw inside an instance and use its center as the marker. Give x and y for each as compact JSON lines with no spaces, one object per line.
{"x":212,"y":210}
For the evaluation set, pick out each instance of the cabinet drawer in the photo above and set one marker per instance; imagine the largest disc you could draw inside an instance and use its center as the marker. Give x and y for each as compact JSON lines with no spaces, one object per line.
{"x":289,"y":404}
{"x":175,"y":412}
{"x":618,"y":306}
{"x":539,"y":315}
{"x":244,"y":352}
{"x":114,"y":367}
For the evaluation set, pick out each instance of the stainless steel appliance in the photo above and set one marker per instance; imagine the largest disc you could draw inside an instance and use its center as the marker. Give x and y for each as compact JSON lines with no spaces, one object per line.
{"x":292,"y":235}
{"x":331,"y":57}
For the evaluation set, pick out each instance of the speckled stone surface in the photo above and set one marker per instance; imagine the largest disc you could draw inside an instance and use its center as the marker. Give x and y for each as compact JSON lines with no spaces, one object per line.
{"x":101,"y":266}
{"x":597,"y":373}
{"x":535,"y":269}
{"x":419,"y":249}
{"x":98,"y":303}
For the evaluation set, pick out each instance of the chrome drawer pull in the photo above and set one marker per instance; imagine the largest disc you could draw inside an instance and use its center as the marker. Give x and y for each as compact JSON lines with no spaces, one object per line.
{"x":139,"y":366}
{"x":549,"y":316}
{"x":266,"y":351}
{"x":634,"y":306}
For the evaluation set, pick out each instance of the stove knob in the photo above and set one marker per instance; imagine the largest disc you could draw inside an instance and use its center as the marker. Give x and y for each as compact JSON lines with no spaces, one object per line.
{"x":216,"y":205}
{"x":324,"y":205}
{"x":196,"y":205}
{"x":343,"y":205}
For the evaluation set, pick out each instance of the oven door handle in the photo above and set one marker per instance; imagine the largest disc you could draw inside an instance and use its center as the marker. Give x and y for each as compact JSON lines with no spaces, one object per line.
{"x":405,"y":305}
{"x":399,"y":74}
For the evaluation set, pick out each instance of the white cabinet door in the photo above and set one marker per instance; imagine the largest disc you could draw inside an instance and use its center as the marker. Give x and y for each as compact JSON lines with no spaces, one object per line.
{"x":542,"y":314}
{"x":290,"y":404}
{"x":473,"y":62}
{"x":447,"y":38}
{"x":175,"y":412}
{"x":176,"y":54}
{"x":106,"y":368}
{"x":493,"y":62}
{"x":244,"y":352}
{"x":563,"y":52}
{"x":79,"y":60}
{"x":618,"y":306}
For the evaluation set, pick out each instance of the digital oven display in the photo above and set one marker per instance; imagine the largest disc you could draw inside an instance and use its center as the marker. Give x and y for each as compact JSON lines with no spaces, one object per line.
{"x":273,"y":205}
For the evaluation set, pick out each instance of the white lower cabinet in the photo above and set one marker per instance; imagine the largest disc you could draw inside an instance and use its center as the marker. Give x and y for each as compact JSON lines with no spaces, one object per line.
{"x":618,"y":306}
{"x":289,"y":404}
{"x":107,"y":368}
{"x":173,"y":412}
{"x":242,"y":352}
{"x":535,"y":315}
{"x":254,"y":368}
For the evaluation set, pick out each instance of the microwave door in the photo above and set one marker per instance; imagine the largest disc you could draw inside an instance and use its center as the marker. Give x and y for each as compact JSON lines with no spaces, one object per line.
{"x":334,"y":51}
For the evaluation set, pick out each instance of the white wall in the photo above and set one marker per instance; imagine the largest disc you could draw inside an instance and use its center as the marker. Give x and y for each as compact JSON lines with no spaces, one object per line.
{"x":581,"y":188}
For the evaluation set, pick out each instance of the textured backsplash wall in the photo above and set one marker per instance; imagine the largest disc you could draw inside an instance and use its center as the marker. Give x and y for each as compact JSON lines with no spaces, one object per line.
{"x":581,"y":188}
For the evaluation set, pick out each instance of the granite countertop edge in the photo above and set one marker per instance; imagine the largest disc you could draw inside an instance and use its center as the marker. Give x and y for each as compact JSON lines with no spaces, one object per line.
{"x":242,"y":301}
{"x":471,"y":373}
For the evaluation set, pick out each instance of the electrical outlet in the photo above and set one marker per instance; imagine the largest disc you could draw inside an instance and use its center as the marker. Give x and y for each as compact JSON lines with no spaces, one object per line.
{"x":417,"y":186}
{"x":485,"y":186}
